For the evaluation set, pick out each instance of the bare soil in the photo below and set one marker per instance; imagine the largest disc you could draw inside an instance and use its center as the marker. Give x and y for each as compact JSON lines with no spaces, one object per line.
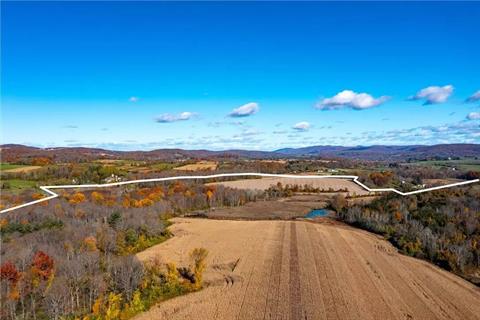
{"x":305,"y":270}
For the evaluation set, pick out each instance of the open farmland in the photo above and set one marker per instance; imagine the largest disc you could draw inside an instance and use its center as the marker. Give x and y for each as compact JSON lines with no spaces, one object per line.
{"x":322,"y":184}
{"x":462,"y":164}
{"x":201,"y":165}
{"x":17,"y":168}
{"x":303,"y":270}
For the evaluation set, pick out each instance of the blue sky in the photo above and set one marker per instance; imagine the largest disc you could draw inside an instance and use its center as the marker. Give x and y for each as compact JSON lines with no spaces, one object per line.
{"x":149,"y":75}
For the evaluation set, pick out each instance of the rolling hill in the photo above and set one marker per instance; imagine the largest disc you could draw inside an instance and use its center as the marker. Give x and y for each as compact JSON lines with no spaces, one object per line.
{"x":15,"y":152}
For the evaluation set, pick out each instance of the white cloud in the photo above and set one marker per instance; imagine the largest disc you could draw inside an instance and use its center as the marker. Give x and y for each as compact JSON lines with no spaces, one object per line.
{"x":302,"y":126}
{"x":350,"y":99}
{"x":473,"y":116}
{"x":168,"y":117}
{"x":245,"y":110}
{"x":474,"y":97}
{"x":434,"y":94}
{"x":133,"y":99}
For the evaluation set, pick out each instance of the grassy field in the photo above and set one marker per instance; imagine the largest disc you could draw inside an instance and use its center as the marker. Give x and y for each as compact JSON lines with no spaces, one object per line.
{"x":19,"y":184}
{"x":463,"y":164}
{"x":8,"y":167}
{"x":162,"y":166}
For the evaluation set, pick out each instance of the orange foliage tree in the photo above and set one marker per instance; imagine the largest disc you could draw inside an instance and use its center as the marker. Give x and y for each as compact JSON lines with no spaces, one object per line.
{"x":77,"y":197}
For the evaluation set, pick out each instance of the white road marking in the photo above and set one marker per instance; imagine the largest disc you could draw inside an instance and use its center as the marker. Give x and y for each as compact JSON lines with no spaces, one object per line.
{"x":220,"y":175}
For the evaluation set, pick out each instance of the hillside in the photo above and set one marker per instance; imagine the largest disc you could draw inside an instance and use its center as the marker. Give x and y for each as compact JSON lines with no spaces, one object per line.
{"x":14,"y":152}
{"x":381,"y":152}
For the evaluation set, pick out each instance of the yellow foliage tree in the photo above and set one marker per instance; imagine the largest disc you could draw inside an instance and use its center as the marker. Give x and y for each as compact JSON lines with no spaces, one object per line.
{"x":97,"y":197}
{"x":113,"y":307}
{"x":198,"y":257}
{"x":172,"y":273}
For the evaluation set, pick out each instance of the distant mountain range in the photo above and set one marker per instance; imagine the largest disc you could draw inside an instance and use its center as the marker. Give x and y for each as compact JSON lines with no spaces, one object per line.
{"x":15,"y":152}
{"x":381,"y":152}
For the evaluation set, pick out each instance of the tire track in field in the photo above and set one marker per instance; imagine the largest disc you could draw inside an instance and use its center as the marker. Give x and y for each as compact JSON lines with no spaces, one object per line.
{"x":396,"y":280}
{"x":312,"y":291}
{"x":273,"y":295}
{"x":250,"y":274}
{"x":453,"y":285}
{"x":343,"y":288}
{"x":256,"y":292}
{"x":283,"y":309}
{"x":349,"y":280}
{"x":294,"y":281}
{"x":381,"y":303}
{"x":449,"y":303}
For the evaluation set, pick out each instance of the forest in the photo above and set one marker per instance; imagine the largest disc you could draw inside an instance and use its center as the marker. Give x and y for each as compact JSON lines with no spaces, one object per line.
{"x":74,"y":257}
{"x":441,"y":226}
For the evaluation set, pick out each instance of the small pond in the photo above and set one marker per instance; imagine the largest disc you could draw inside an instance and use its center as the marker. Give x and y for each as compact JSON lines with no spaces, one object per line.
{"x":317,"y":213}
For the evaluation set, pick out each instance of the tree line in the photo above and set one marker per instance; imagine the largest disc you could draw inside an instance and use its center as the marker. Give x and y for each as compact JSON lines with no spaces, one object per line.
{"x":441,"y":226}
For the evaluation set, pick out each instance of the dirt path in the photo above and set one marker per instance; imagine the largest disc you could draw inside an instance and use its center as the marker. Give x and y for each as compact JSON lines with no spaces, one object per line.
{"x":303,"y":270}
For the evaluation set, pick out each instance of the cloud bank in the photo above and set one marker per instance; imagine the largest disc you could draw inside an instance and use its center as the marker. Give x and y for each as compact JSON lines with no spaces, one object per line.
{"x":434,"y":94}
{"x":350,"y":99}
{"x":245,"y":110}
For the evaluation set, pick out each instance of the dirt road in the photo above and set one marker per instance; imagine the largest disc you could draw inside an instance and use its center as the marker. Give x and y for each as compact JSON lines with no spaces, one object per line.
{"x":303,"y":270}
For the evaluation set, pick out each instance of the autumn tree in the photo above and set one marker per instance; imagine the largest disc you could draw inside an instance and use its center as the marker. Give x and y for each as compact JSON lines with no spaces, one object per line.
{"x":198,"y":257}
{"x":381,"y":178}
{"x":338,"y":202}
{"x":76,"y":198}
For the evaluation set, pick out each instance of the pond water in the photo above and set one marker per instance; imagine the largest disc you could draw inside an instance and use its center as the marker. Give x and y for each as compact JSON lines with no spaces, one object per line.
{"x":317,"y":213}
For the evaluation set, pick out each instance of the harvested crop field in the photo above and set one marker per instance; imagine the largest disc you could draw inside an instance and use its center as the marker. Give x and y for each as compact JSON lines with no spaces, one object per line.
{"x":324,"y":183}
{"x":304,"y":270}
{"x":201,"y":165}
{"x":21,"y":169}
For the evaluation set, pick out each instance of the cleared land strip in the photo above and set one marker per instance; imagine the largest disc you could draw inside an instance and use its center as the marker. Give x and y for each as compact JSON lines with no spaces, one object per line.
{"x":53,"y":195}
{"x":304,"y":270}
